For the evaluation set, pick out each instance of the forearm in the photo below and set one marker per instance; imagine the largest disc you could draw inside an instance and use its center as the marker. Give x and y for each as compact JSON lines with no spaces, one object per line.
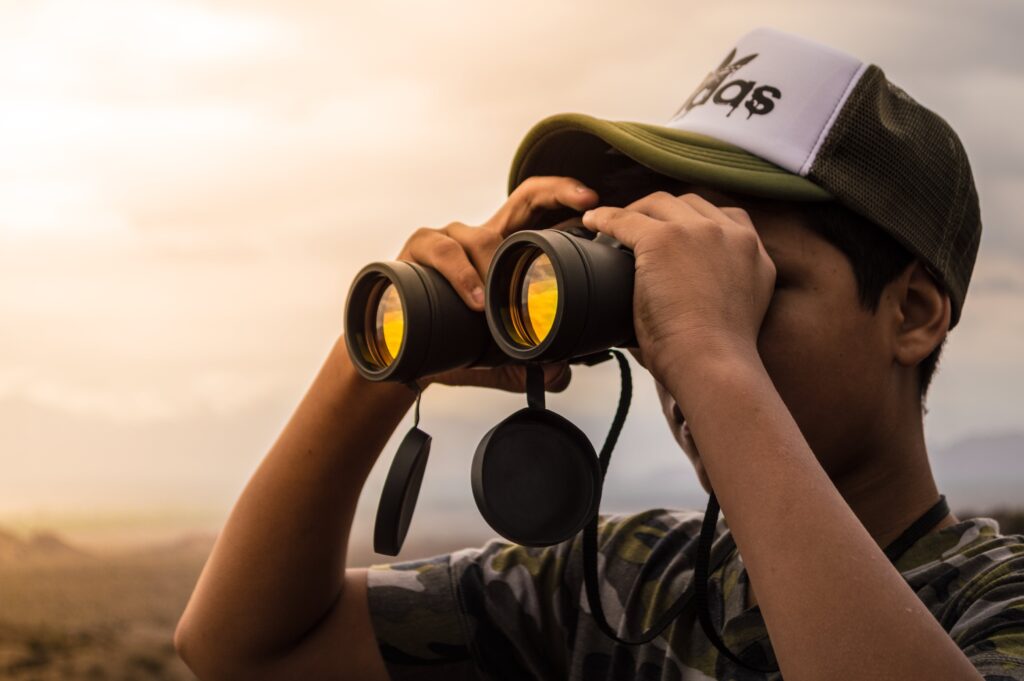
{"x":834,"y":606}
{"x":279,"y":562}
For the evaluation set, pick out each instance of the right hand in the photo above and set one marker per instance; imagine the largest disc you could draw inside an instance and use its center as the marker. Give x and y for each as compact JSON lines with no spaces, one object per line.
{"x":462,"y":255}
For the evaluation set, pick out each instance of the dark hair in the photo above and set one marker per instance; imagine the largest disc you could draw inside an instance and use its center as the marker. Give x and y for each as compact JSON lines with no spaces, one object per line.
{"x":875,"y":256}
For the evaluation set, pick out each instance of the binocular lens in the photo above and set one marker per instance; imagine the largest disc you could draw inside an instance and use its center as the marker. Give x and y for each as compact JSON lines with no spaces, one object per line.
{"x":550,"y":295}
{"x":404,"y":321}
{"x":559,"y":293}
{"x":535,"y":297}
{"x":389,"y":326}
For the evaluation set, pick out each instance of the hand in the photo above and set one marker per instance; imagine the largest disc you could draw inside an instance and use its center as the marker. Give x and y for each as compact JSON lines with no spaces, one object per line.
{"x":703,"y":279}
{"x":462,"y":255}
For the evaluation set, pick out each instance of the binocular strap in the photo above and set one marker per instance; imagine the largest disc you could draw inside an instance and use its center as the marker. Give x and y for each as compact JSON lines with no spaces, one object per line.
{"x":704,"y":565}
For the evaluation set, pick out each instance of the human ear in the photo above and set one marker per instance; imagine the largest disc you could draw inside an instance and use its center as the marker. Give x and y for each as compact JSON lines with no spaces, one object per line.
{"x":923,"y":314}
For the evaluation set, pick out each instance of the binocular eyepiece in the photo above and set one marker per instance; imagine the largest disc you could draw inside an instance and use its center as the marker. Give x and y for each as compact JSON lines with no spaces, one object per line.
{"x":551,"y":294}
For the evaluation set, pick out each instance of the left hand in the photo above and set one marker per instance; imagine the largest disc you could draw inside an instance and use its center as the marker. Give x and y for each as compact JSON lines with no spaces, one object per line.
{"x":703,"y":279}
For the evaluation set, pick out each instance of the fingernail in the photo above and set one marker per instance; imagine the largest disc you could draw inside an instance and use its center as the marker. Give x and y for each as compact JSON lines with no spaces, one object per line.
{"x":478,"y":295}
{"x":580,"y":188}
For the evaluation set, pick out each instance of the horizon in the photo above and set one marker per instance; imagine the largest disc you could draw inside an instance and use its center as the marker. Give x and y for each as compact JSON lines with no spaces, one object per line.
{"x":971,"y":485}
{"x":185,"y":201}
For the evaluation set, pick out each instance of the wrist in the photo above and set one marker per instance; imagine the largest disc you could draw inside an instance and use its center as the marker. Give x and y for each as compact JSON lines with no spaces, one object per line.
{"x":716,"y":369}
{"x":384,"y":398}
{"x":688,"y":354}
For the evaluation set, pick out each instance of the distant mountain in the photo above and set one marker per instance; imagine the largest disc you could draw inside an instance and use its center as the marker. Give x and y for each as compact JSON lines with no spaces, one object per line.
{"x":37,"y":548}
{"x":195,"y":545}
{"x":982,"y":471}
{"x":981,"y":452}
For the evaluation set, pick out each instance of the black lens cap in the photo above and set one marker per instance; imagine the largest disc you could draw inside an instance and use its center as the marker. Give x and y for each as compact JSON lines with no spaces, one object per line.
{"x":401,"y":489}
{"x":536,"y":478}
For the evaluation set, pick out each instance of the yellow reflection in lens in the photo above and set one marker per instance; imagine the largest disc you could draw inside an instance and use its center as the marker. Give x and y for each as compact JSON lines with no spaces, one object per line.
{"x":390,"y":325}
{"x":538,"y":299}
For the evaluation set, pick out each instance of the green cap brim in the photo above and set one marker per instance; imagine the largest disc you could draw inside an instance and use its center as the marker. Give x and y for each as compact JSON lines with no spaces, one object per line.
{"x":576,"y":145}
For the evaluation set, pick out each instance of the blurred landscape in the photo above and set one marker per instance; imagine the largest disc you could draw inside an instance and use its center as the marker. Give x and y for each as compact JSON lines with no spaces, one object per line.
{"x":187,"y":189}
{"x":68,"y":612}
{"x":71,"y":613}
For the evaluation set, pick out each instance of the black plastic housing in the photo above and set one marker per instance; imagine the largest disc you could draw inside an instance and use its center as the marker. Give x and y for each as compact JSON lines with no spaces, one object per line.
{"x":594,"y":311}
{"x":440,"y":331}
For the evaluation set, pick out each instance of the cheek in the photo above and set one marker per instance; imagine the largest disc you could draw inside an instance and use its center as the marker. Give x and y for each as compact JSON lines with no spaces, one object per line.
{"x":813,"y":347}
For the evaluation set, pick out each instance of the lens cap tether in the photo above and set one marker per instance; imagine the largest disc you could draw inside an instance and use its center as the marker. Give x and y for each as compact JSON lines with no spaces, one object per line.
{"x":401,"y":489}
{"x":535,"y":475}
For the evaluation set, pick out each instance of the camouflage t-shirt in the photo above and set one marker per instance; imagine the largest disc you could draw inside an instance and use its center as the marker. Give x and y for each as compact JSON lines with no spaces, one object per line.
{"x":504,"y":611}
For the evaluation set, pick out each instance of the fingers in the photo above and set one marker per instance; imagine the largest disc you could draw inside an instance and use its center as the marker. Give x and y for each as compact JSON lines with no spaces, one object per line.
{"x":433,"y":248}
{"x":738,"y":215}
{"x":536,"y":194}
{"x":669,"y":208}
{"x":508,"y":377}
{"x":638,"y":356}
{"x":557,"y":377}
{"x":713,"y":212}
{"x":663,"y":205}
{"x":480,"y":243}
{"x":624,"y":225}
{"x":664,"y":208}
{"x":704,"y":207}
{"x":462,"y":253}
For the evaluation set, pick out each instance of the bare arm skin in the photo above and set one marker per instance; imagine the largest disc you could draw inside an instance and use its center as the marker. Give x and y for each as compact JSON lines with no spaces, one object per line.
{"x":833,"y":604}
{"x":275,"y":600}
{"x":273,"y":583}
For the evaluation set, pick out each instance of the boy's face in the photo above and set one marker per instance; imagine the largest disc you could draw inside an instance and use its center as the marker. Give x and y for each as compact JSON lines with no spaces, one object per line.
{"x":825,"y":352}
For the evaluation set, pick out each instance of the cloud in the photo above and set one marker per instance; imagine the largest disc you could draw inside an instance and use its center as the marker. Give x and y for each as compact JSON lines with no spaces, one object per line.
{"x":185,"y":199}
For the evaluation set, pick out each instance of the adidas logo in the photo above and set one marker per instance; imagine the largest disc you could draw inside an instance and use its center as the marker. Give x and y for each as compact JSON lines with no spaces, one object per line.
{"x":756,"y":99}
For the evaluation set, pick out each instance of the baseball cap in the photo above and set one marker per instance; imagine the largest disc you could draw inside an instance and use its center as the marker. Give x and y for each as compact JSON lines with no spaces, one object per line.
{"x":787,"y":118}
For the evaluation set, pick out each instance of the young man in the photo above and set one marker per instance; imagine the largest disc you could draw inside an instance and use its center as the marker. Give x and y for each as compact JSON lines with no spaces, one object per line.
{"x":790,"y":301}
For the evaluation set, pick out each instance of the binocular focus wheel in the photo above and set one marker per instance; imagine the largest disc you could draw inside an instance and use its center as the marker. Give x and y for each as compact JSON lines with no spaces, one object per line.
{"x":536,"y":478}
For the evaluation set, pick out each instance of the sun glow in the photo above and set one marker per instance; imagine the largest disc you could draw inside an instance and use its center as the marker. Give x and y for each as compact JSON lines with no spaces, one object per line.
{"x":75,"y":109}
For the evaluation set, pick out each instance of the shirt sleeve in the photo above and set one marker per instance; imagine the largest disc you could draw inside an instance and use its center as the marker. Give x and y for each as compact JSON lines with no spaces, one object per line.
{"x":990,"y":630}
{"x":506,"y":611}
{"x":497,"y":611}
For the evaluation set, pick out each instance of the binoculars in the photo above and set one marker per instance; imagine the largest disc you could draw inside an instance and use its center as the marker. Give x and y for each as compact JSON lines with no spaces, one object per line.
{"x":551,"y":294}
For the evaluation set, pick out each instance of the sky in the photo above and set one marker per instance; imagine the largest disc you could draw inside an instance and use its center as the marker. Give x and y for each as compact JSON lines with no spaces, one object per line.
{"x":187,"y":190}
